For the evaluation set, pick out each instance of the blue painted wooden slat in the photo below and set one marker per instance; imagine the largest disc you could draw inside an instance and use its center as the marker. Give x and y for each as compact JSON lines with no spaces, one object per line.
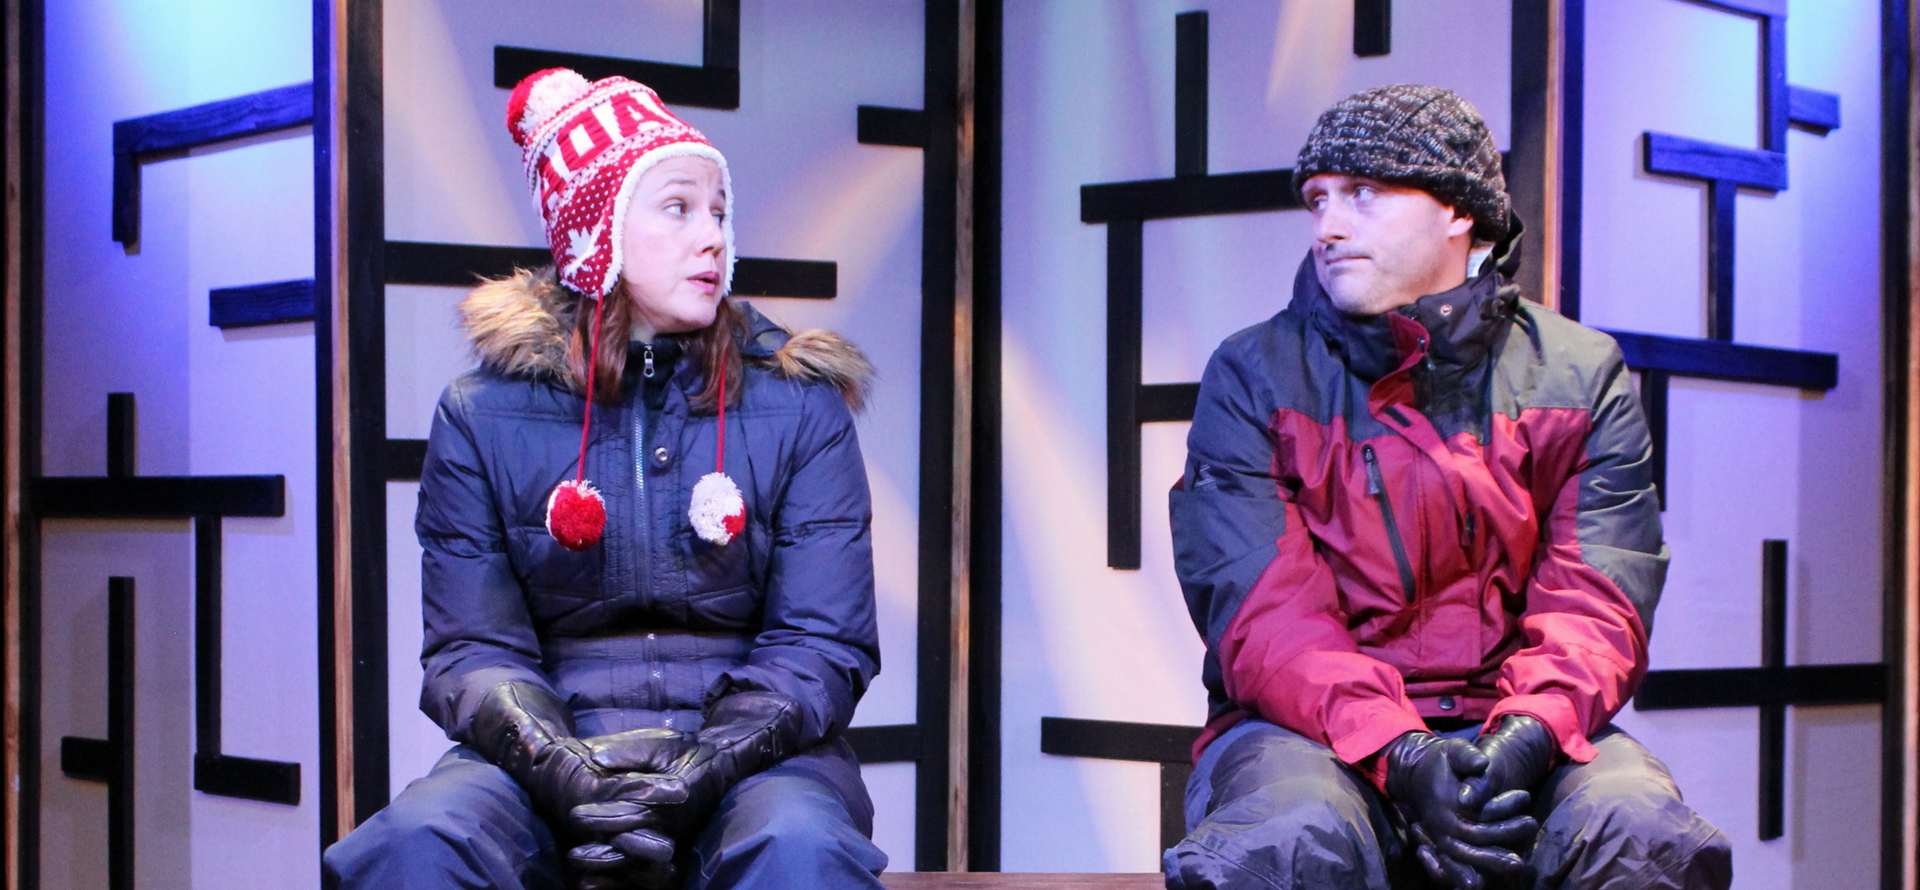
{"x":1695,"y":159}
{"x":257,"y":304}
{"x":205,"y":124}
{"x":1813,"y":110}
{"x":137,"y":139}
{"x":1719,"y":360}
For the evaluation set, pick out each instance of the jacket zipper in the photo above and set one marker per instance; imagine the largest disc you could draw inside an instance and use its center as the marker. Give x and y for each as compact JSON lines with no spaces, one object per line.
{"x":641,"y":524}
{"x":1378,"y":488}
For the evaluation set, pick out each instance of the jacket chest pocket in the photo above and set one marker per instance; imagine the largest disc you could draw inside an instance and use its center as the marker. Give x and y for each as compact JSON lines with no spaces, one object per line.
{"x":545,"y":567}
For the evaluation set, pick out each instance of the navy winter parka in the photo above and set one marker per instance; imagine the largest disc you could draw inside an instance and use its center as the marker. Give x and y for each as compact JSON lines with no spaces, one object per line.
{"x":642,"y":628}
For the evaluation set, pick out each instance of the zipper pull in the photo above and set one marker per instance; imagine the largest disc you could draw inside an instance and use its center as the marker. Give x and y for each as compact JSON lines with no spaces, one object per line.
{"x":1373,"y":471}
{"x":1469,"y":530}
{"x":646,"y":366}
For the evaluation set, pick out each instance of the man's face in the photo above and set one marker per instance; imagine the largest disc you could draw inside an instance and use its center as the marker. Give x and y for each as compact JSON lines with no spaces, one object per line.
{"x":1378,"y":246}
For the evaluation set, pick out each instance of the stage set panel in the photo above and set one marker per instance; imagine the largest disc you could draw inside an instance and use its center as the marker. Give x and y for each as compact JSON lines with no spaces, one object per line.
{"x":828,"y":224}
{"x":1117,"y":294}
{"x":177,"y":729}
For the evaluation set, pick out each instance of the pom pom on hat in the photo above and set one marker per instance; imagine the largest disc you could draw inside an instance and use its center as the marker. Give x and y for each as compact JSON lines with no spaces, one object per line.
{"x":576,"y":515}
{"x":538,"y":97}
{"x":718,"y":512}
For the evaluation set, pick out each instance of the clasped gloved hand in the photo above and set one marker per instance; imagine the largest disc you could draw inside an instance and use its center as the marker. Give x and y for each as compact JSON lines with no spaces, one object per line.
{"x":642,"y":857}
{"x":744,"y":733}
{"x":1519,"y":755}
{"x":526,"y":730}
{"x":1457,"y":844}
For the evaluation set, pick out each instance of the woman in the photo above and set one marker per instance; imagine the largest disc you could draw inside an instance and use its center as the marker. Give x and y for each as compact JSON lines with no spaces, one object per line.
{"x":647,"y":575}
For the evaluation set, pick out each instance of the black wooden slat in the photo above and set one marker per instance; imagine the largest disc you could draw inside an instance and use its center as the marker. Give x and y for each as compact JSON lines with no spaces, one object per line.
{"x":1813,"y":110}
{"x":88,"y":760}
{"x":122,"y":435}
{"x":463,"y":265}
{"x":1807,"y":684}
{"x":1692,"y":158}
{"x":1773,"y":715}
{"x":157,"y":497}
{"x":1212,"y":195}
{"x":1372,"y":27}
{"x":1123,"y":388}
{"x":257,"y":304}
{"x":694,"y":85}
{"x":122,"y":665}
{"x":457,"y":265}
{"x":1653,"y":402}
{"x":720,"y":35}
{"x":404,"y":459}
{"x":1173,"y":797}
{"x":880,"y":125}
{"x":1167,"y":402}
{"x":801,"y":279}
{"x":894,"y":743}
{"x":269,"y":781}
{"x":1190,"y":94}
{"x":207,"y":603}
{"x":1716,"y":360}
{"x":1116,"y":740}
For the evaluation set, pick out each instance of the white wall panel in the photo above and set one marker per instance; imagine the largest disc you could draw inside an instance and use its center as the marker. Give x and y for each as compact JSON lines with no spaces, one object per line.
{"x":1748,"y":462}
{"x":210,"y":402}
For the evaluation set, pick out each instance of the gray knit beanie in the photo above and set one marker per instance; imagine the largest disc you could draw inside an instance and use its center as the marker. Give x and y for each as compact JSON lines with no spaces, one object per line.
{"x":1420,"y":136}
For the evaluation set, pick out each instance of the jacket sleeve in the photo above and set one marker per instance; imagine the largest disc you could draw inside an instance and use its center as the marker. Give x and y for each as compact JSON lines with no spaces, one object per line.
{"x":818,"y":642}
{"x":1596,"y":579}
{"x":478,"y":630}
{"x":1260,"y":594}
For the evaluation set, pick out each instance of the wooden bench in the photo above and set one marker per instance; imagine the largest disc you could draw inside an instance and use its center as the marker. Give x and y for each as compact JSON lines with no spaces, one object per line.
{"x":979,"y":880}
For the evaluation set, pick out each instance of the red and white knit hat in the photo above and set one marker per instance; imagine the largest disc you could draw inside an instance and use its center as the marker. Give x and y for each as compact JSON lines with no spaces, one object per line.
{"x":584,"y":145}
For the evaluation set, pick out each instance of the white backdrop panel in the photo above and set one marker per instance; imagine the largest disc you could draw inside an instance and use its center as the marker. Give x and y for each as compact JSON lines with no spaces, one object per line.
{"x":209,"y":402}
{"x":1749,"y":462}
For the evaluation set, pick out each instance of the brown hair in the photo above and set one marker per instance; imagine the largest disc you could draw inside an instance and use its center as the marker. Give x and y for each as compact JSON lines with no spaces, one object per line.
{"x":715,"y":346}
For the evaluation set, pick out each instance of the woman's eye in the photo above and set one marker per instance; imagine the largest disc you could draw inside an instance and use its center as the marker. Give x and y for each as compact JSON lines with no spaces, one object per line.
{"x":676,"y":208}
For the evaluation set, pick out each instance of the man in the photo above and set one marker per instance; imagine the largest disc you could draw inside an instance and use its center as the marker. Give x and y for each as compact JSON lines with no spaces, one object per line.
{"x":1418,"y":532}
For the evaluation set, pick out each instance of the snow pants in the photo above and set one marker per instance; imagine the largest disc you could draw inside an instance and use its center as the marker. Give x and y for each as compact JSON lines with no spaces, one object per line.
{"x":805,"y":823}
{"x":1268,"y":808}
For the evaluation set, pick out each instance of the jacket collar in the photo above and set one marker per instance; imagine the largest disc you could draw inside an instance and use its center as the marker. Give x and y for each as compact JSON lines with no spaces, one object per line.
{"x":1456,"y":328}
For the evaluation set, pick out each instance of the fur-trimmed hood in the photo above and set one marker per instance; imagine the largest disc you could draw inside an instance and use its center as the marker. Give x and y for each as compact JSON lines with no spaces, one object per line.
{"x":521,"y":326}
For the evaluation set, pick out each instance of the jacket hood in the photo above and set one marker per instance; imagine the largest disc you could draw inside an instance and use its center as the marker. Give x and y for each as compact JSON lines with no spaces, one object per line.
{"x":521,"y":326}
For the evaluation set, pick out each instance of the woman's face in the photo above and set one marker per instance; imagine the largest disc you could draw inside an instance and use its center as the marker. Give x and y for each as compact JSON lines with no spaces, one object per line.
{"x":673,"y":252}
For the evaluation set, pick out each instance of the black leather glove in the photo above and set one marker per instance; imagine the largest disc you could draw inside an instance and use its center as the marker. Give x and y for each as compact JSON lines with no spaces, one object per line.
{"x":527,"y":731}
{"x":1519,"y":755}
{"x":644,"y":856}
{"x":1426,"y":777}
{"x":744,"y":733}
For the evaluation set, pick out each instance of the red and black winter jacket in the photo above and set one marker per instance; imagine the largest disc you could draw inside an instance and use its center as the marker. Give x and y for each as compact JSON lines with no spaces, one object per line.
{"x":1443,"y":511}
